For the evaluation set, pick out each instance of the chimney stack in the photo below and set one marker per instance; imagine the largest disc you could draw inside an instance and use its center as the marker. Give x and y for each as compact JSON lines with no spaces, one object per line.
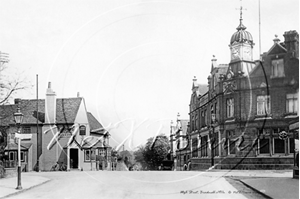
{"x":291,"y":40}
{"x":17,"y":101}
{"x":50,"y":106}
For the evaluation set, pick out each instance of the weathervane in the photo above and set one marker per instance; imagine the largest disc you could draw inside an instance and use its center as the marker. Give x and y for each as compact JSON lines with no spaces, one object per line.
{"x":241,"y":26}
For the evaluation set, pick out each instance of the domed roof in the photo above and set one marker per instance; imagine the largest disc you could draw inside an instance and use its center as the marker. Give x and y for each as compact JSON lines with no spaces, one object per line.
{"x":241,"y":36}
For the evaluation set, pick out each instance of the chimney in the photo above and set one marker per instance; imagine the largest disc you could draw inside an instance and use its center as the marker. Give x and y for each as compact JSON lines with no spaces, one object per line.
{"x":50,"y":106}
{"x":78,"y":94}
{"x":17,"y":101}
{"x":291,"y":40}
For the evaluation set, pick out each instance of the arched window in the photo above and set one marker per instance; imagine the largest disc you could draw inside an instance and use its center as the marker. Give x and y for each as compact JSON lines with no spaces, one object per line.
{"x":82,"y":130}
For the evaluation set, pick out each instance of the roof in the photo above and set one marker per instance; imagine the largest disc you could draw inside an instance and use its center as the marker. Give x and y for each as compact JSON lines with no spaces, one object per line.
{"x":94,"y":123}
{"x":241,"y":36}
{"x":66,"y":111}
{"x":14,"y":146}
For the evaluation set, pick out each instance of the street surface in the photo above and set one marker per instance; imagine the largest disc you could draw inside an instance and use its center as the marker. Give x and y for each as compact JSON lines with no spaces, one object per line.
{"x":133,"y":185}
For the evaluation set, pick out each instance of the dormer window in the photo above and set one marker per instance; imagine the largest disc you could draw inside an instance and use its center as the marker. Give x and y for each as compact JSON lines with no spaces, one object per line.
{"x":277,"y":68}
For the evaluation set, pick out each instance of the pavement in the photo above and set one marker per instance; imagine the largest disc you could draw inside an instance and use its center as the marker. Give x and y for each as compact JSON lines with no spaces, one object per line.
{"x":8,"y":185}
{"x":269,"y":183}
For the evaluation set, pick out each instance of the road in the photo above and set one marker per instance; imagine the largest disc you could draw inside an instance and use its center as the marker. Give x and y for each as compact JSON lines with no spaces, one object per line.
{"x":133,"y":185}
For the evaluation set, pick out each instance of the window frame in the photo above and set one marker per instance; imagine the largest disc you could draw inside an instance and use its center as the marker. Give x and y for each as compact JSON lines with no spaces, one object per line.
{"x":276,"y":73}
{"x":266,"y":105}
{"x":13,"y":155}
{"x":259,"y":143}
{"x":294,"y":100}
{"x":91,"y":152}
{"x":230,"y":107}
{"x":284,"y":146}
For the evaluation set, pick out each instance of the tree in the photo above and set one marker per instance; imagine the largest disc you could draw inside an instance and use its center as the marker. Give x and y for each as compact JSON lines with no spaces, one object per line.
{"x":9,"y":84}
{"x":156,"y":150}
{"x":139,"y":156}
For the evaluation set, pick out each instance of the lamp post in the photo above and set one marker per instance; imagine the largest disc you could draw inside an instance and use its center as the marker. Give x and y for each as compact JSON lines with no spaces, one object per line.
{"x":18,"y":116}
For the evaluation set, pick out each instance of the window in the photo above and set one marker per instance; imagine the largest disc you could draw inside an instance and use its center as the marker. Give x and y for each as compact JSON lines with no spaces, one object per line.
{"x":101,"y":152}
{"x":82,"y":130}
{"x":216,"y":144}
{"x":196,"y":122}
{"x":89,"y":155}
{"x":264,"y":146}
{"x":292,"y":145}
{"x":22,"y":156}
{"x":231,"y":147}
{"x":277,"y":68}
{"x":202,"y":119}
{"x":194,"y":147}
{"x":26,"y":129}
{"x":205,"y":117}
{"x":292,"y":103}
{"x":229,"y":107}
{"x":11,"y":156}
{"x":263,"y":105}
{"x":204,"y":146}
{"x":279,"y":145}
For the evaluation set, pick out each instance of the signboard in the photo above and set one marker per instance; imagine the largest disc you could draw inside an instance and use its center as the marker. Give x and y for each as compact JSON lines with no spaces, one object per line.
{"x":23,"y":136}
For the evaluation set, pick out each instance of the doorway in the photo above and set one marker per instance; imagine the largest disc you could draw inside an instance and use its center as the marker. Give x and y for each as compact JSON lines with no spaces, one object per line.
{"x":73,"y":158}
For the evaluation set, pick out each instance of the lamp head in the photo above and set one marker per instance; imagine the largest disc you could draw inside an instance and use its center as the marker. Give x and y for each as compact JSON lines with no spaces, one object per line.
{"x":18,"y":116}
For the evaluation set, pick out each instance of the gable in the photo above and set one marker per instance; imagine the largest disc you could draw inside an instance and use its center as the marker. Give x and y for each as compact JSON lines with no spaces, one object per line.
{"x":276,"y":49}
{"x":81,"y":115}
{"x":93,"y":122}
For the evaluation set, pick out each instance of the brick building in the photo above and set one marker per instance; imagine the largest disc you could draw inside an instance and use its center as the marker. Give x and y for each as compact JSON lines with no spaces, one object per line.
{"x":67,"y":133}
{"x":243,"y":121}
{"x":180,"y":151}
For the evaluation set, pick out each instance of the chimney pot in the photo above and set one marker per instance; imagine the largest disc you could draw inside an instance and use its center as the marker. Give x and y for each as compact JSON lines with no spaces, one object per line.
{"x":49,"y":84}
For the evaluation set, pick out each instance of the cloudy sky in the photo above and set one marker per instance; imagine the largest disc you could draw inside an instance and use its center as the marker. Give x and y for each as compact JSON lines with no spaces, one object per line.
{"x":132,"y":60}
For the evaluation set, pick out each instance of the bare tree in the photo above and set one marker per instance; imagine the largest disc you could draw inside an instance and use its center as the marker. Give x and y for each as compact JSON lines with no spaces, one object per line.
{"x":9,"y":85}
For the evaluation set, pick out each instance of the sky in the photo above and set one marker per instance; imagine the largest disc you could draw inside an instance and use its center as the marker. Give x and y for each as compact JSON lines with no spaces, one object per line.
{"x":133,"y":61}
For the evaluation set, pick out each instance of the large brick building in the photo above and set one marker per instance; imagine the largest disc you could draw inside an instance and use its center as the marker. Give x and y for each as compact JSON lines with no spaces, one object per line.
{"x":62,"y":131}
{"x":243,"y":121}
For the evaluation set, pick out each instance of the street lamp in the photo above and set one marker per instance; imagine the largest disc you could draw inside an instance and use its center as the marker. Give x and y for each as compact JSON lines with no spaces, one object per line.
{"x":18,"y":116}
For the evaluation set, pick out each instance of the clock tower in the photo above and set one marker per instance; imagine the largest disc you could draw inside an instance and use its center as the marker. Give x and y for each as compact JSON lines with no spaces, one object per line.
{"x":241,"y":50}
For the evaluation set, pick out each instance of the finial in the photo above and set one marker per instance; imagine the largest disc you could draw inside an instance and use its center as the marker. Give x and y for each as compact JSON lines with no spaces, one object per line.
{"x":241,"y":26}
{"x":194,"y":79}
{"x":178,"y":115}
{"x":276,"y":40}
{"x":214,"y":58}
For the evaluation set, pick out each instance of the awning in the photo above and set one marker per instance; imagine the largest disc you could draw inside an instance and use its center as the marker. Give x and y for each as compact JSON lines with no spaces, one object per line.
{"x":294,"y":126}
{"x":14,"y":146}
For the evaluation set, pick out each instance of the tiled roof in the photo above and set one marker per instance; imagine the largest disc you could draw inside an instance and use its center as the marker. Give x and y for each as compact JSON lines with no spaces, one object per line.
{"x":13,"y":146}
{"x":66,"y":111}
{"x":94,"y":123}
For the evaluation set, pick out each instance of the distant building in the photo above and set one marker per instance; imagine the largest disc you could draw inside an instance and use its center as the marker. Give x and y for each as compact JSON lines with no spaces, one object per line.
{"x":248,"y":118}
{"x":67,"y":133}
{"x":181,"y":144}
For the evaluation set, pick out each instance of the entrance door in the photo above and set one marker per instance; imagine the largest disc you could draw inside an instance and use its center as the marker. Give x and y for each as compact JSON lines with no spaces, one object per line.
{"x":74,"y":158}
